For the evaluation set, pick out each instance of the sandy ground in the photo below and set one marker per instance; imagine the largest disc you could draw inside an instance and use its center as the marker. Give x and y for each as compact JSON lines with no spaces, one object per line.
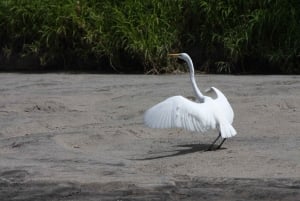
{"x":81,"y":137}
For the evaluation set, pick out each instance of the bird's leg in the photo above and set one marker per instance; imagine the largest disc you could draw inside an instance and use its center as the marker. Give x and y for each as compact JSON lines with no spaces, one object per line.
{"x":212,"y":144}
{"x":221,"y":143}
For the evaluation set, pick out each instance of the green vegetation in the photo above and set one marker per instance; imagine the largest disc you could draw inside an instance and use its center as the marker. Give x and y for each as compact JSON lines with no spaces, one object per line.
{"x":227,"y":36}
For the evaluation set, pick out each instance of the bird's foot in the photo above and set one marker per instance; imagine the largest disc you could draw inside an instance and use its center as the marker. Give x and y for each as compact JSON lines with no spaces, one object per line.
{"x":212,"y":147}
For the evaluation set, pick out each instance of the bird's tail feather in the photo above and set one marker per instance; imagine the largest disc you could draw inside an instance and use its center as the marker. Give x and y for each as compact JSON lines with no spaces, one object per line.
{"x":227,"y":130}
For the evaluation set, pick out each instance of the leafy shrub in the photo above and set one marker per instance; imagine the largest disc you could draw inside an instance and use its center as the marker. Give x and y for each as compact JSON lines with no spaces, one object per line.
{"x":228,"y":36}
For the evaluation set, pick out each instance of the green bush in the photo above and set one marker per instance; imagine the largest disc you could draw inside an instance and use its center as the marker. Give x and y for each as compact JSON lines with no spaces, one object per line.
{"x":144,"y":31}
{"x":228,"y":36}
{"x":246,"y":36}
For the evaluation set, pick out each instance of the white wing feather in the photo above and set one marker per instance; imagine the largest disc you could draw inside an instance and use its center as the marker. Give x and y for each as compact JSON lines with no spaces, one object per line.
{"x":223,"y":103}
{"x":225,"y":114}
{"x":179,"y":112}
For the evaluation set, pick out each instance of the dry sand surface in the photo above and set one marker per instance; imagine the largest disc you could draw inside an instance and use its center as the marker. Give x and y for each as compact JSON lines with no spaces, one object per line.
{"x":81,"y":137}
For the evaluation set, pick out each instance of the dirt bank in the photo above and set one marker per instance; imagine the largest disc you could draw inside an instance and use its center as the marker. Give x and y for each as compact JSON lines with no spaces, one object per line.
{"x":81,"y":137}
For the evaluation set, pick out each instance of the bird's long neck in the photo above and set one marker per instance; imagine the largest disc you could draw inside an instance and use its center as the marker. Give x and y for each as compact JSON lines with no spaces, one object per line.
{"x":192,"y":76}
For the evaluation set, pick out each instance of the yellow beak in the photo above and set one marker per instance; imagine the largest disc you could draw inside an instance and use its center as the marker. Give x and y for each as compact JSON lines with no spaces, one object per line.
{"x":173,"y":55}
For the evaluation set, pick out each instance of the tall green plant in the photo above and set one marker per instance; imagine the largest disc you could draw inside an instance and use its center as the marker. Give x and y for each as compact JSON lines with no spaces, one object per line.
{"x":228,"y":36}
{"x":142,"y":30}
{"x":231,"y":33}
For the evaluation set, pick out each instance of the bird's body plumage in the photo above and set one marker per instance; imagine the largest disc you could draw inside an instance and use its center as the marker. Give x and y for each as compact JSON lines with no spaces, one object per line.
{"x":206,"y":114}
{"x":179,"y":112}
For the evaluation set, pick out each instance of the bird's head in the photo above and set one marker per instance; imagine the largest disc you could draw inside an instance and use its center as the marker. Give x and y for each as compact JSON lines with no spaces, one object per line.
{"x":183,"y":56}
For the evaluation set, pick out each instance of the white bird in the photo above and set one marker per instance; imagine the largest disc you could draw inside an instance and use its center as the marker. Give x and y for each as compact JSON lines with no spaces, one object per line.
{"x":207,"y":114}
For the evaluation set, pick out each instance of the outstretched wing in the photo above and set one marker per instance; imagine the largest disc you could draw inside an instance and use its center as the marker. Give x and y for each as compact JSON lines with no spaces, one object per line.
{"x":179,"y":112}
{"x":223,"y":104}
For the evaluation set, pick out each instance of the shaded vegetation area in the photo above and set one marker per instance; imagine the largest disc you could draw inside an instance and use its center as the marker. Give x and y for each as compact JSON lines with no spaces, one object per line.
{"x":227,"y":36}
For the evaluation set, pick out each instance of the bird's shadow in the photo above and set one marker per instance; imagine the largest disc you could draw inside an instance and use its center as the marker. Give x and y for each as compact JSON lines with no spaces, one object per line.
{"x":190,"y":148}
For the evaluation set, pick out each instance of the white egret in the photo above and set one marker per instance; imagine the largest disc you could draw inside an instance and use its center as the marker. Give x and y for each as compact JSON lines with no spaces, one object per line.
{"x":179,"y":112}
